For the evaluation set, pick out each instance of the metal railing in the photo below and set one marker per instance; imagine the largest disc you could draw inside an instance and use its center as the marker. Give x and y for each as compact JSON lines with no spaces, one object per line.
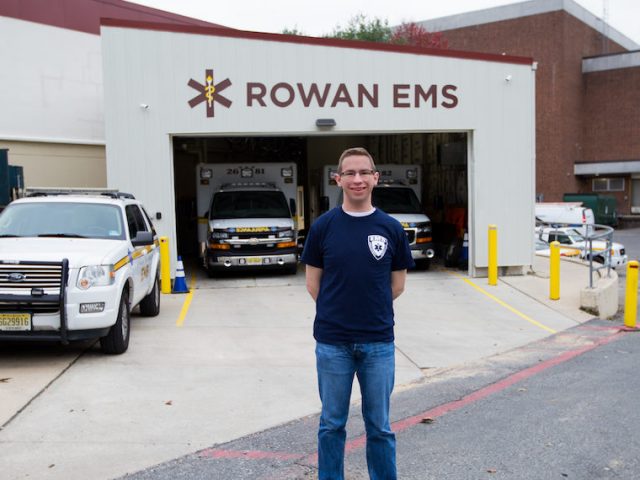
{"x":588,"y":234}
{"x":598,"y":232}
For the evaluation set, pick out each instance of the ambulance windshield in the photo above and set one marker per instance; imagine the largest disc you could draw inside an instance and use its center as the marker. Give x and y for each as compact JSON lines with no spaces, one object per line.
{"x":396,"y":200}
{"x":249,"y":204}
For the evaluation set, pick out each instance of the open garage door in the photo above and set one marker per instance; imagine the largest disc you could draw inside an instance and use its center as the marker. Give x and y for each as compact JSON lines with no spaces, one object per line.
{"x":440,"y":158}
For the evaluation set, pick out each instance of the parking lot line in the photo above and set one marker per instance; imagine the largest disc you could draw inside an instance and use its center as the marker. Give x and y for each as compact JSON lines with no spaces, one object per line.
{"x":508,"y":307}
{"x":187,"y":301}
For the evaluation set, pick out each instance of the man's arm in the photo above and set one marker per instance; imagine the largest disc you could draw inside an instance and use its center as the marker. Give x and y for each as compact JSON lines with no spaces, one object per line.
{"x":398,"y":278}
{"x":313,"y":276}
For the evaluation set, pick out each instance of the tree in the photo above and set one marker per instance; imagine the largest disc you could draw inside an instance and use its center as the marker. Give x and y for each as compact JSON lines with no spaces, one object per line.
{"x":293,"y":31}
{"x":378,"y":30}
{"x":418,"y":36}
{"x":360,"y":28}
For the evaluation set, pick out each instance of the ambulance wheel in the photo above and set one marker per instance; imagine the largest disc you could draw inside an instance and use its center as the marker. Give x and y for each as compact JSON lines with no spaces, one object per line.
{"x":291,"y":269}
{"x":150,"y":305}
{"x":117,"y":340}
{"x":423,"y":264}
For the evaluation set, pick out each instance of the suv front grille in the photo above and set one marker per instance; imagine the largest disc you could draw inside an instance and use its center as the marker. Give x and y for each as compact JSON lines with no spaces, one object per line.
{"x":23,"y":277}
{"x":17,"y":281}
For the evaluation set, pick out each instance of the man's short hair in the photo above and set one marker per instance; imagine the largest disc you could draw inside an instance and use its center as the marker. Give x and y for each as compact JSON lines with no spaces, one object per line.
{"x":353,"y":151}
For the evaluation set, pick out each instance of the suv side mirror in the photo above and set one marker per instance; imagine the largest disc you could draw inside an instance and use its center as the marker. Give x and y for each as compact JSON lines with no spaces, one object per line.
{"x":292,"y":206}
{"x":142,"y":238}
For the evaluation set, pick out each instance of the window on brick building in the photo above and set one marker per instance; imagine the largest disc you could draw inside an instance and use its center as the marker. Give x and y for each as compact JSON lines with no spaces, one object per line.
{"x":615,"y":184}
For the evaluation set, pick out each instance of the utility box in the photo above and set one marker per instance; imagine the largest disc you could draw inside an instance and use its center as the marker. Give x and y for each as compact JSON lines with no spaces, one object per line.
{"x":604,"y":207}
{"x":5,"y":190}
{"x":11,"y":180}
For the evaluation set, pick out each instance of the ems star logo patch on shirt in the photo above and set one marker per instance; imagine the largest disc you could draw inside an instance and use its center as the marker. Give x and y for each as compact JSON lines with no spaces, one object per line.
{"x":377,"y":246}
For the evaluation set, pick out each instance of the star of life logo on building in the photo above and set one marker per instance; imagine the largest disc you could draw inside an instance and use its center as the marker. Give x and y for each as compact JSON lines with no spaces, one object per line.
{"x":377,"y":246}
{"x":209,"y":92}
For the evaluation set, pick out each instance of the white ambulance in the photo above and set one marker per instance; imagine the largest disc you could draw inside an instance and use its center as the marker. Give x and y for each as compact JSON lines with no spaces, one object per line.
{"x":398,"y":194}
{"x":247,"y":215}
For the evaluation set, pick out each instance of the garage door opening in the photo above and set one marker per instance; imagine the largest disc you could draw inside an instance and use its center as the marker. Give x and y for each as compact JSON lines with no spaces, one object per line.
{"x":441,"y":159}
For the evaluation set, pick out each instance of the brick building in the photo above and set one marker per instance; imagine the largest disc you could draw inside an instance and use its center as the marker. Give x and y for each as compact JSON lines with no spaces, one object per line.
{"x":587,"y":93}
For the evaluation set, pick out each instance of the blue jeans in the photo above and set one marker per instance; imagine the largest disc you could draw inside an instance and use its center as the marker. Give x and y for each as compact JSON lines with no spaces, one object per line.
{"x":374,"y":364}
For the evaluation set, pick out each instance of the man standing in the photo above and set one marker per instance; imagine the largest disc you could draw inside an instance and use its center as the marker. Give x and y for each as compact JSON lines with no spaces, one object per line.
{"x":356,"y":264}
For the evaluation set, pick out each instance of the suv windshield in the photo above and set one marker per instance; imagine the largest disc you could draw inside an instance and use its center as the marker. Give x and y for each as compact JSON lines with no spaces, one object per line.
{"x":62,"y":219}
{"x":396,"y":200}
{"x":249,"y":204}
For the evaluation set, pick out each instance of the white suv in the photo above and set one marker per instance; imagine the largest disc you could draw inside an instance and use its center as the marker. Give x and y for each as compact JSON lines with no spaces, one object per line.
{"x":572,"y":237}
{"x":74,"y":264}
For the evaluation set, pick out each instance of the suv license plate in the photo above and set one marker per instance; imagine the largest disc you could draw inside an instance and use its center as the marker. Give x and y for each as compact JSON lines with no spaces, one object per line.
{"x":15,"y":321}
{"x":254,"y":260}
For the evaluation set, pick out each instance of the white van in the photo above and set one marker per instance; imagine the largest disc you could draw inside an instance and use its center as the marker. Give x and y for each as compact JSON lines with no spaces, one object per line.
{"x":571,"y":214}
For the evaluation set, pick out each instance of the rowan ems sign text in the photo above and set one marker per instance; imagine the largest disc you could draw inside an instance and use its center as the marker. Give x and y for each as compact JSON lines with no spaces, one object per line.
{"x":331,"y":95}
{"x":325,"y":95}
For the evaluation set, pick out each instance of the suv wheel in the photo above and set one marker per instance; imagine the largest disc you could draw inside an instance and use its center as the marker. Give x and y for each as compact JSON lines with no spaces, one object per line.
{"x":150,"y":305}
{"x":117,"y":340}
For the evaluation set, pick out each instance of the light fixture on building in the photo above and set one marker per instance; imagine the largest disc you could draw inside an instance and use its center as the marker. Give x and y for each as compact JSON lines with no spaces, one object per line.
{"x":144,"y":106}
{"x":325,"y":122}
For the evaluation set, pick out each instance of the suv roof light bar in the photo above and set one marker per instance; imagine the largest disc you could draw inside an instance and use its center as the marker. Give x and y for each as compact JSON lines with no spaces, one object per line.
{"x":47,"y":191}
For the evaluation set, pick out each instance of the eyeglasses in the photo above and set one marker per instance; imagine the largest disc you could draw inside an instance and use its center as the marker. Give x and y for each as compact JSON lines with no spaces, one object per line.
{"x":353,"y":173}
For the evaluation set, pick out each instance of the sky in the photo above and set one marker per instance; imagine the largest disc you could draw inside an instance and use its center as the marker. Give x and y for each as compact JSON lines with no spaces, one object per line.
{"x":315,"y":18}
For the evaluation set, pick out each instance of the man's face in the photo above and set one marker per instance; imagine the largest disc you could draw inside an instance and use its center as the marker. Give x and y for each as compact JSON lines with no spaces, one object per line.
{"x":357,"y":180}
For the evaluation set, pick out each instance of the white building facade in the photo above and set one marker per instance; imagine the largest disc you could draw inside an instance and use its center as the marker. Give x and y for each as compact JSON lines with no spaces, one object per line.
{"x":157,"y":86}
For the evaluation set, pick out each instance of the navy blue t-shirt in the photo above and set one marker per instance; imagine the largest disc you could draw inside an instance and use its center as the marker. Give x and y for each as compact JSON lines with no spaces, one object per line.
{"x":357,"y":256}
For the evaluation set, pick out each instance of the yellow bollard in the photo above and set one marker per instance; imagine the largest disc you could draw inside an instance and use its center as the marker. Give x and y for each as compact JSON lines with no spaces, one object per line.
{"x":493,"y":255}
{"x":165,"y":265}
{"x":554,"y":271}
{"x":631,"y":297}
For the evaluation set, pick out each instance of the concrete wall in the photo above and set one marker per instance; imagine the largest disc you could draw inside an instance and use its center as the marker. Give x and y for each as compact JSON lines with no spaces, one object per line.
{"x":59,"y":164}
